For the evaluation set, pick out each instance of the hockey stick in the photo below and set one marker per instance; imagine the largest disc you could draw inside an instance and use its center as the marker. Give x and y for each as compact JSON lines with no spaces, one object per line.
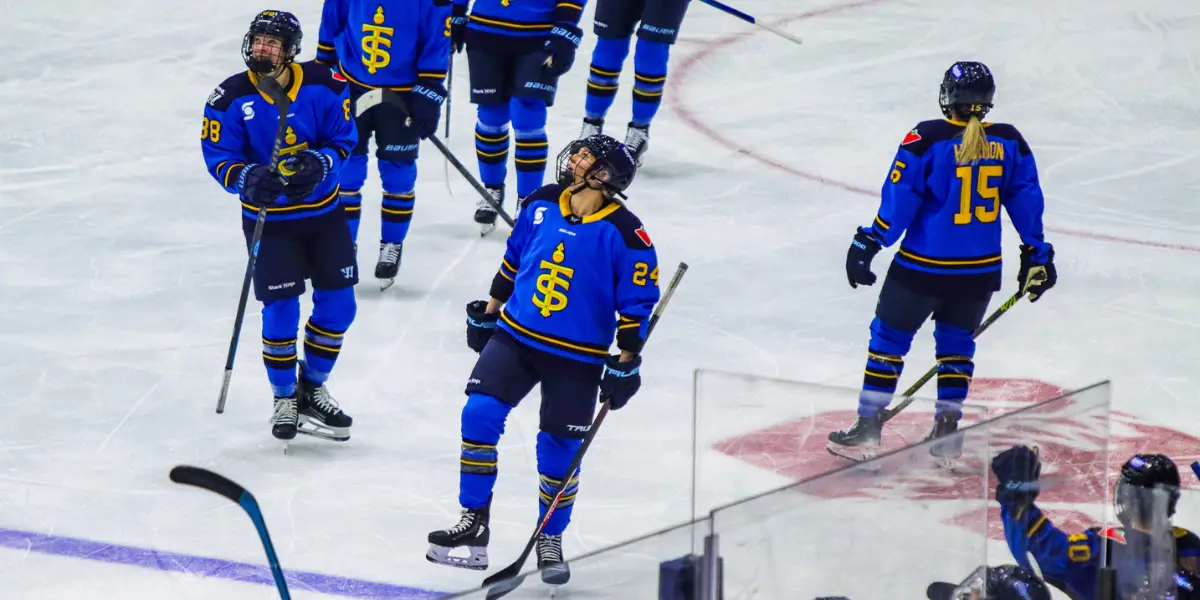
{"x":379,"y":96}
{"x":890,"y":413}
{"x":717,"y":4}
{"x":449,"y":93}
{"x":274,"y":91}
{"x":507,"y":579}
{"x":205,"y":479}
{"x":1196,"y":469}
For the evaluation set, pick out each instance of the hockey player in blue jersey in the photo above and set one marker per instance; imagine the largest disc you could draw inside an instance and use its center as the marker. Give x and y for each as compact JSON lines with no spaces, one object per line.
{"x":614,"y":27}
{"x":941,"y":201}
{"x":1072,"y":562}
{"x":305,"y":235}
{"x":517,"y":50}
{"x":579,"y":269}
{"x":403,"y":46}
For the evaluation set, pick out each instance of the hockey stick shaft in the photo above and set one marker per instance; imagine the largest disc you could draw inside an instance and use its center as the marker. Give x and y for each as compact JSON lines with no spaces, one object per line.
{"x":888,"y":414}
{"x":378,"y":96}
{"x":275,"y":92}
{"x":511,"y":571}
{"x":205,"y":479}
{"x":449,"y":93}
{"x":721,"y":6}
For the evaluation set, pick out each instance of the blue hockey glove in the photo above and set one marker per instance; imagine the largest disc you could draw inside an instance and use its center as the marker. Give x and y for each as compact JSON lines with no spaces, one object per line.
{"x":458,"y":27}
{"x":858,"y":259}
{"x":1037,"y":273}
{"x":621,"y":380}
{"x":480,"y":324}
{"x":304,"y":171}
{"x":257,"y":185}
{"x":560,"y":46}
{"x":426,"y":106}
{"x":1017,"y":471}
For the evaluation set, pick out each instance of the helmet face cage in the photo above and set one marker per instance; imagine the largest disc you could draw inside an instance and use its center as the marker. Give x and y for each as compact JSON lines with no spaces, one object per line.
{"x":967,"y":89}
{"x":1142,"y":472}
{"x":609,"y":155}
{"x":275,"y":23}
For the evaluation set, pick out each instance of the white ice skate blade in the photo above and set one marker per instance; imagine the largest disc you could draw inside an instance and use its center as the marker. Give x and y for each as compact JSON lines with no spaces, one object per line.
{"x":314,"y":428}
{"x":486,"y":228}
{"x":859,"y":454}
{"x":385,"y":284}
{"x":556,"y":575}
{"x":477,"y":561}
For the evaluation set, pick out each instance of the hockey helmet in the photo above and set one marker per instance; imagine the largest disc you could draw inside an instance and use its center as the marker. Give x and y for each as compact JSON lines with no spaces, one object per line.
{"x":1142,"y":472}
{"x":275,"y":23}
{"x":610,"y":155}
{"x":1005,"y":582}
{"x":967,"y":89}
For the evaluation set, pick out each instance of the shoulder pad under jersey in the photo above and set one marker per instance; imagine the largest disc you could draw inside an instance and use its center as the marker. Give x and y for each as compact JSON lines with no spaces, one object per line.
{"x":928,"y":133}
{"x":316,"y":73}
{"x":1005,"y":131}
{"x":237,"y":86}
{"x":631,"y":228}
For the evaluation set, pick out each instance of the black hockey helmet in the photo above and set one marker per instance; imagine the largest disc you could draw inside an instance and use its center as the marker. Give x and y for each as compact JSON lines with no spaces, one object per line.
{"x":1142,"y":472}
{"x":276,"y":23}
{"x":967,"y":89}
{"x":611,"y":156}
{"x":1005,"y":582}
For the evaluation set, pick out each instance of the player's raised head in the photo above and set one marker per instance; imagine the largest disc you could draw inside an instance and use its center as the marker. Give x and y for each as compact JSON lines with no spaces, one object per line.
{"x":967,"y":89}
{"x":597,"y":162}
{"x":272,"y":42}
{"x":1145,"y":472}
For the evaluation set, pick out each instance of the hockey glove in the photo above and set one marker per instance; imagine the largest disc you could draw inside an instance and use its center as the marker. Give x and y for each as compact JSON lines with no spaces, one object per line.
{"x":480,"y":324}
{"x":621,"y":380}
{"x":304,"y":171}
{"x":560,"y":47}
{"x":1017,"y":470}
{"x":257,"y":185}
{"x":1036,"y":276}
{"x":426,"y":106}
{"x":458,"y":27}
{"x":858,"y":259}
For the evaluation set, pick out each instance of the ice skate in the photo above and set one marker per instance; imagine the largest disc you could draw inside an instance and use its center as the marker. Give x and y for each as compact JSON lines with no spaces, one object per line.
{"x":283,"y":420}
{"x":945,"y":452}
{"x":319,"y":414}
{"x":591,"y":127}
{"x":485,"y":213}
{"x":550,"y":560}
{"x":471,"y":532}
{"x":389,"y":263}
{"x":860,"y":441}
{"x":637,"y":139}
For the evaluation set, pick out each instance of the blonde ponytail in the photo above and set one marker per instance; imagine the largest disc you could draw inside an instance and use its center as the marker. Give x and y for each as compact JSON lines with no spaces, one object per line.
{"x":974,"y":143}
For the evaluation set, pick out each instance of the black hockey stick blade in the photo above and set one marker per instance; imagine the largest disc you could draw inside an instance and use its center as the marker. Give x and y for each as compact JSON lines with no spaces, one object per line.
{"x":205,"y":479}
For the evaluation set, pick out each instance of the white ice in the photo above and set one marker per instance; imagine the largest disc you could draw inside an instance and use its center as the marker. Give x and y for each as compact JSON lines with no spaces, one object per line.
{"x":121,"y":261}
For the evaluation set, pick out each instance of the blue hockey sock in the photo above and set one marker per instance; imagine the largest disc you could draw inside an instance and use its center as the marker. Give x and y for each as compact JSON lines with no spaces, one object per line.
{"x":491,"y":143}
{"x":482,"y":425}
{"x":333,"y":312}
{"x":649,"y":79}
{"x":955,"y":349}
{"x":885,"y":363}
{"x":399,"y":180}
{"x":554,"y":455}
{"x":604,"y":75}
{"x":352,"y":177}
{"x":529,"y":121}
{"x":280,"y":322}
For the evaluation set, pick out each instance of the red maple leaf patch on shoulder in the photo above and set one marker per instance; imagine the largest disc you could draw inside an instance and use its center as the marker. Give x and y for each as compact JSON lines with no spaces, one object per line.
{"x":912,"y":136}
{"x":642,"y":235}
{"x":338,"y":76}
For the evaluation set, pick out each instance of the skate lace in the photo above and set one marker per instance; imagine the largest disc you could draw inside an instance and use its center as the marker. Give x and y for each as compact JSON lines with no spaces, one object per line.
{"x":285,"y":411}
{"x":389,"y":253}
{"x":550,"y":548}
{"x":482,"y":204}
{"x":323,"y":402}
{"x":466,"y":522}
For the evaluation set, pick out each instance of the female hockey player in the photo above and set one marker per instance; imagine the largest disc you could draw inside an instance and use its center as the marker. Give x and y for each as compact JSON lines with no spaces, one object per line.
{"x":305,"y":235}
{"x":1071,"y":562}
{"x":579,"y":269}
{"x":943,"y":197}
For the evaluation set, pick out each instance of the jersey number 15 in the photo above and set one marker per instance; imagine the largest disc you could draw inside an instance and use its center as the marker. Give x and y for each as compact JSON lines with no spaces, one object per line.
{"x":977,"y":194}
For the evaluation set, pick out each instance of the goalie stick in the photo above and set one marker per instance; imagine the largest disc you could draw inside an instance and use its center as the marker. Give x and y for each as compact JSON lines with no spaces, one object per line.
{"x":205,"y":479}
{"x":507,"y":579}
{"x":275,"y":92}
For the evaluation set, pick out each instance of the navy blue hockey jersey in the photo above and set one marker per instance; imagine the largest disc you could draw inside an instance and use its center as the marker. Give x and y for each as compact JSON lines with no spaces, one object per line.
{"x":386,"y":43}
{"x":1072,"y":562}
{"x":521,"y":25}
{"x":240,"y":124}
{"x":570,"y":284}
{"x":947,"y":216}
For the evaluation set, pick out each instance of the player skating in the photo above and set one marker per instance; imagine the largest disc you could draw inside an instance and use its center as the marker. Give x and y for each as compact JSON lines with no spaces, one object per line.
{"x":943,"y":197}
{"x":305,"y":235}
{"x":579,"y":271}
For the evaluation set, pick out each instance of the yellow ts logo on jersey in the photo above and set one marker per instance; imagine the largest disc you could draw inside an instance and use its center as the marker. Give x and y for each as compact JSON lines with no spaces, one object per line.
{"x":375,"y":56}
{"x":554,"y":277}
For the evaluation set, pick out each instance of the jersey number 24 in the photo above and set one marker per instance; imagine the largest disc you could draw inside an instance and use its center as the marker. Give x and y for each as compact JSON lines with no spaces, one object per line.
{"x":978,"y":199}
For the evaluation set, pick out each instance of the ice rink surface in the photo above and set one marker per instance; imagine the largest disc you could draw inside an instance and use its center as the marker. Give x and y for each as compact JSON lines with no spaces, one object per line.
{"x":121,"y":261}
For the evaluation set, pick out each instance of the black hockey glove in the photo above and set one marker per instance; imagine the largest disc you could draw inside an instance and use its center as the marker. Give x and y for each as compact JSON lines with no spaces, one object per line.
{"x":1017,"y":470}
{"x":480,"y":324}
{"x":458,"y":27}
{"x":858,"y":259}
{"x":426,"y":106}
{"x":259,"y":186}
{"x":304,"y":172}
{"x":560,"y":46}
{"x":621,"y":380}
{"x":1036,"y":277}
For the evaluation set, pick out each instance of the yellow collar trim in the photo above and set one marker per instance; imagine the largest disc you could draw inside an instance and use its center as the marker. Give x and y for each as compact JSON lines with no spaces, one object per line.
{"x":564,"y":204}
{"x":293,"y":89}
